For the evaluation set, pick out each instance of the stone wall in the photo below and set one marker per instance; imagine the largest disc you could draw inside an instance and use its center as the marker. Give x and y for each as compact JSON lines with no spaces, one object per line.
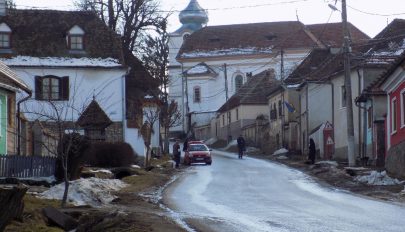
{"x":395,"y":161}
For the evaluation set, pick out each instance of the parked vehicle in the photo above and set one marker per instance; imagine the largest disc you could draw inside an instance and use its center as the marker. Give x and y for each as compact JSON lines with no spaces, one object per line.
{"x":197,"y":152}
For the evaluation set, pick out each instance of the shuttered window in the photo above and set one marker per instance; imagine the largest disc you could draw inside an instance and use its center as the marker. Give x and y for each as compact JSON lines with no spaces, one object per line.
{"x":51,"y":88}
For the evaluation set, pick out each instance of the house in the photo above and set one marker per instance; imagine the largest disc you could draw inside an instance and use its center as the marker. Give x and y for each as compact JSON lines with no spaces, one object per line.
{"x":75,"y":65}
{"x":283,"y":123}
{"x":233,"y":53}
{"x":393,"y":83}
{"x":245,"y":106}
{"x":10,"y":85}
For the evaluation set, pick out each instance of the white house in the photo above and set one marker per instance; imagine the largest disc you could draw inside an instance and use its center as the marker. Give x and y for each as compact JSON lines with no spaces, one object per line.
{"x":69,"y":59}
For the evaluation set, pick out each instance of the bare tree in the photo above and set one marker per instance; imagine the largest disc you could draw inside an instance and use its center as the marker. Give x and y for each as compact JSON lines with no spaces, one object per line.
{"x":133,"y":19}
{"x":170,"y":116}
{"x":151,"y":115}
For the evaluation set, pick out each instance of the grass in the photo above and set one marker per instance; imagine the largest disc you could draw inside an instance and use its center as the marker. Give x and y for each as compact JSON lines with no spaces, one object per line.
{"x":33,"y":218}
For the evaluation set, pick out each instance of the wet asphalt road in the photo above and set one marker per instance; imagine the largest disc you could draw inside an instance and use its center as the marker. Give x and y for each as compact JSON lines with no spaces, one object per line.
{"x":257,"y":195}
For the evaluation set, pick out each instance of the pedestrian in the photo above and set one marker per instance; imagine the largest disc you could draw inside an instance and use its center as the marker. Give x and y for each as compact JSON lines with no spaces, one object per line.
{"x":312,"y":151}
{"x":185,"y":144}
{"x":241,"y":146}
{"x":176,"y":153}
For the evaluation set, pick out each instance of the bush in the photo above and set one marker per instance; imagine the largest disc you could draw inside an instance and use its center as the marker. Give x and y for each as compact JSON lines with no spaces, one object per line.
{"x":105,"y":154}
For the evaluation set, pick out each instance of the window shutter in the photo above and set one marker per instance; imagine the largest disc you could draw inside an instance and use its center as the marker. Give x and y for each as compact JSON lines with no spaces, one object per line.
{"x":38,"y":87}
{"x":64,"y":88}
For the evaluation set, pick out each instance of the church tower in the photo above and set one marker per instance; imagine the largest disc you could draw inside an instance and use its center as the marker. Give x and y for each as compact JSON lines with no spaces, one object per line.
{"x":192,"y":18}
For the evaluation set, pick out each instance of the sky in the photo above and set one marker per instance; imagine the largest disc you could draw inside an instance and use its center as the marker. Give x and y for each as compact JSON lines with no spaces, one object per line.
{"x":370,"y":16}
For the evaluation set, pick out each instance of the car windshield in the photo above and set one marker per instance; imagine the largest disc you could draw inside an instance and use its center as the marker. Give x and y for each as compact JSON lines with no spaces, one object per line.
{"x":198,"y":147}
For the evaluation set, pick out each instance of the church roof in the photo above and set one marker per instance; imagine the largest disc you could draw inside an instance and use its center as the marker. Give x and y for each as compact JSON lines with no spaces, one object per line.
{"x":257,"y":38}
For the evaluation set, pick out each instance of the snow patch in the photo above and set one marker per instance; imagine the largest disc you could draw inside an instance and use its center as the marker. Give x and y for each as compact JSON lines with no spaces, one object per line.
{"x":281,"y":157}
{"x":280,"y":151}
{"x":61,"y":61}
{"x":101,"y":170}
{"x":210,"y":141}
{"x":49,"y":179}
{"x":198,"y":69}
{"x":228,"y":52}
{"x":377,"y":178}
{"x":92,"y":191}
{"x":135,"y":166}
{"x":328,"y":162}
{"x":231,"y":144}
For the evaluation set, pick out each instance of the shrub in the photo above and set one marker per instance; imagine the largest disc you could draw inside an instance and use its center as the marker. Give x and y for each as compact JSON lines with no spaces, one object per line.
{"x":105,"y":154}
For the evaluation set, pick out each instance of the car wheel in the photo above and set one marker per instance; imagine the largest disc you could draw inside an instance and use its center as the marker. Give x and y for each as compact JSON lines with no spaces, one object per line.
{"x":209,"y":163}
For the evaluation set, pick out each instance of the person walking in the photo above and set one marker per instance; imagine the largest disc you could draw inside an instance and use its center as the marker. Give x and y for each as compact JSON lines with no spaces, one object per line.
{"x":176,"y":153}
{"x":312,"y":151}
{"x":241,"y":146}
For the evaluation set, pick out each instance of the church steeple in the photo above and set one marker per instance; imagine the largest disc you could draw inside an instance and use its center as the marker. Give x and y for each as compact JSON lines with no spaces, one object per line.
{"x":193,"y":17}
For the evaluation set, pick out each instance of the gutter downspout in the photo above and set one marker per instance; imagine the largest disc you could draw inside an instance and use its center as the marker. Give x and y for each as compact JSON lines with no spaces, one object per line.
{"x":307,"y":119}
{"x":19,"y":122}
{"x":363,"y":147}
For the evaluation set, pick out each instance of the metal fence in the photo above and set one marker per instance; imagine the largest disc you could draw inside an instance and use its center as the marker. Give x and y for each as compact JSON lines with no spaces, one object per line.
{"x":26,"y":166}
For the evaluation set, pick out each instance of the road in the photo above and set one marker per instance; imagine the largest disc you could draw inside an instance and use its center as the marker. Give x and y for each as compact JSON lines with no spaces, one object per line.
{"x":258,"y":195}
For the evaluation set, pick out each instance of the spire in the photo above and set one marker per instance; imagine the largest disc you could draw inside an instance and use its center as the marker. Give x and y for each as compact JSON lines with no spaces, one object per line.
{"x":193,"y":17}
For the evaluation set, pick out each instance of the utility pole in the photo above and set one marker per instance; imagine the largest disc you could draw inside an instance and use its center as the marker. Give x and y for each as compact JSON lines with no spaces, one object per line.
{"x":228,"y":128}
{"x":282,"y":97}
{"x":348,"y":88}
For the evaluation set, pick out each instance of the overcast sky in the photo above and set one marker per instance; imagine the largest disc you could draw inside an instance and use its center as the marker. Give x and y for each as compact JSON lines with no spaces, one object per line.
{"x":370,"y":16}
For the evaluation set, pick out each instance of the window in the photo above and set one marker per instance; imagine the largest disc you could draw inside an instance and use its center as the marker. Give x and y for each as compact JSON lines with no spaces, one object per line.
{"x":76,"y":42}
{"x":75,"y":39}
{"x":5,"y":36}
{"x":394,"y":115}
{"x":197,"y":94}
{"x":51,"y":88}
{"x":223,"y":120}
{"x":237,"y":114}
{"x":369,"y":117}
{"x":238,"y":82}
{"x":343,"y":96}
{"x":403,"y":108}
{"x":4,"y":40}
{"x":280,"y":108}
{"x":229,"y":117}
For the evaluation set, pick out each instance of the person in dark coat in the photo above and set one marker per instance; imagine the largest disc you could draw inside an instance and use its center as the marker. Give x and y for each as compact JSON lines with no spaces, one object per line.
{"x":241,"y":146}
{"x":312,"y":151}
{"x":185,"y":144}
{"x":176,"y":153}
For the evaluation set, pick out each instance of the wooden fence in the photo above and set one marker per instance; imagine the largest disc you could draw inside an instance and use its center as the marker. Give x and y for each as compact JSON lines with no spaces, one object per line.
{"x":26,"y":166}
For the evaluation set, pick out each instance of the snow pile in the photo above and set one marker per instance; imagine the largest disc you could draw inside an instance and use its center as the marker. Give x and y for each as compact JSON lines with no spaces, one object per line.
{"x":91,"y":191}
{"x":377,"y":178}
{"x":280,"y":151}
{"x":210,"y":141}
{"x":328,"y":162}
{"x":101,"y":171}
{"x":252,"y":149}
{"x":61,"y":61}
{"x":135,"y":166}
{"x":231,"y":144}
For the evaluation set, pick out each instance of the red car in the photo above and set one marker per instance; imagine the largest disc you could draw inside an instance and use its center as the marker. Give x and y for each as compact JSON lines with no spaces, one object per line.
{"x":197,"y":152}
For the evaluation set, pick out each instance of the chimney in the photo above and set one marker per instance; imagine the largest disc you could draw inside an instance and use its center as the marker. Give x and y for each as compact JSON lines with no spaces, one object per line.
{"x":3,"y":7}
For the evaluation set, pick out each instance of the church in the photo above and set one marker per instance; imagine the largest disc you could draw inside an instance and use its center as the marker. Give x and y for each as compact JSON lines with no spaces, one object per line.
{"x":208,"y":64}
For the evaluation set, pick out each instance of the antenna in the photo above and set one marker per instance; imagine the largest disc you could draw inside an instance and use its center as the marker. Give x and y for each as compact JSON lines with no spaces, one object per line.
{"x":296,"y":14}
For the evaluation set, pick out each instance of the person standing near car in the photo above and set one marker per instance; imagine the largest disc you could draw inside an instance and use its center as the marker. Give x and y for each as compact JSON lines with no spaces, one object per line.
{"x":241,"y":146}
{"x":176,"y":153}
{"x":312,"y":151}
